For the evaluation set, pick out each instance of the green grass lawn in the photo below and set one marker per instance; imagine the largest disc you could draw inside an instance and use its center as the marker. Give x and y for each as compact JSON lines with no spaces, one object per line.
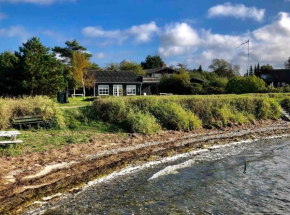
{"x":39,"y":140}
{"x":76,"y":101}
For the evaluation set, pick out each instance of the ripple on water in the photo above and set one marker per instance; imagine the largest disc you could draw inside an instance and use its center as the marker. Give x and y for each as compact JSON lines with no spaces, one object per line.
{"x":211,"y":182}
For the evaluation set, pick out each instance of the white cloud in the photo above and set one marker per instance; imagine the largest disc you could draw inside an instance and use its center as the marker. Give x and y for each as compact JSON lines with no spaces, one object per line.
{"x":40,"y":2}
{"x":143,"y":33}
{"x":177,"y":39}
{"x":100,"y":55}
{"x":268,"y":44}
{"x":237,"y":11}
{"x":140,"y":33}
{"x":3,"y":16}
{"x":14,"y":31}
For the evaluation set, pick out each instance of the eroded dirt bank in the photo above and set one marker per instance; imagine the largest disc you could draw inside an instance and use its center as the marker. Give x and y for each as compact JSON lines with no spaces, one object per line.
{"x":31,"y":177}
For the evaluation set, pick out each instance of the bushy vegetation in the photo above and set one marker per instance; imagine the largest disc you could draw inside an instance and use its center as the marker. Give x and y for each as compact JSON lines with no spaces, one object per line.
{"x":249,"y":84}
{"x":187,"y":113}
{"x":142,"y":122}
{"x":285,"y":103}
{"x":39,"y":105}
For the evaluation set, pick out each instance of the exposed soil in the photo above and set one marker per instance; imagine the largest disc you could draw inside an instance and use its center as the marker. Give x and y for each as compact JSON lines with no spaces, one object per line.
{"x":31,"y":177}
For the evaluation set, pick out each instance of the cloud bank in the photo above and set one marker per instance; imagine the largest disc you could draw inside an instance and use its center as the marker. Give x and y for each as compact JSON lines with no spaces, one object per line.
{"x":140,"y":33}
{"x":239,"y":11}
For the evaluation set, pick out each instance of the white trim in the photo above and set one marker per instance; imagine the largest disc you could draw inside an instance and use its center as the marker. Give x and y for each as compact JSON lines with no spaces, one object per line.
{"x":103,"y":90}
{"x":131,"y":90}
{"x":117,"y":90}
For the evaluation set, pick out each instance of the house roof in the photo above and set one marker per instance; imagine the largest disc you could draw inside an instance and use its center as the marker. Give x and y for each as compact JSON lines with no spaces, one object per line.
{"x":194,"y":79}
{"x":163,"y":69}
{"x":279,"y":75}
{"x":116,"y":77}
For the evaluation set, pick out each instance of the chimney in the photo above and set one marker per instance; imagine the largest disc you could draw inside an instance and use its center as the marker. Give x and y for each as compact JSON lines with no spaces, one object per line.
{"x":163,"y":65}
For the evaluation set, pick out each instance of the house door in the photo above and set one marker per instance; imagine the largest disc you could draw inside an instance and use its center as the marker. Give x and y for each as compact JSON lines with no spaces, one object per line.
{"x":117,"y":90}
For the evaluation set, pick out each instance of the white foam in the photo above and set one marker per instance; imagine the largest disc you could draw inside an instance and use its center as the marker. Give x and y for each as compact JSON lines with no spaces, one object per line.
{"x":172,"y":169}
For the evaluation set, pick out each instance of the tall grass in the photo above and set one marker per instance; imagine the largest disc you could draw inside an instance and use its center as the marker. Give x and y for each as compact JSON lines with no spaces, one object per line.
{"x":187,"y":113}
{"x":39,"y":105}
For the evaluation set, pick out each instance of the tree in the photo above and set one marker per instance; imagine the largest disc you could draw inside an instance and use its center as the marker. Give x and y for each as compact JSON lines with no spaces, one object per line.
{"x":224,"y":69}
{"x":132,"y":66}
{"x":251,"y":71}
{"x":181,"y":66}
{"x":266,"y":67}
{"x":287,"y":64}
{"x":94,"y":66}
{"x":199,"y":68}
{"x":177,"y":84}
{"x":67,"y":52}
{"x":152,"y":62}
{"x":10,"y":79}
{"x":113,"y":66}
{"x":42,"y":73}
{"x":80,"y":66}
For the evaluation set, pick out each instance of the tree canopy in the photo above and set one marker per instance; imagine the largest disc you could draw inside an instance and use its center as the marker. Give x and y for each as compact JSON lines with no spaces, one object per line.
{"x":152,"y":62}
{"x":224,"y":69}
{"x":266,"y":67}
{"x":67,"y":52}
{"x":287,"y":64}
{"x":132,"y":66}
{"x":42,"y":73}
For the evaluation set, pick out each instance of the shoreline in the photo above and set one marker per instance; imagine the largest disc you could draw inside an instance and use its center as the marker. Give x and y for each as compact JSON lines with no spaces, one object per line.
{"x":73,"y":176}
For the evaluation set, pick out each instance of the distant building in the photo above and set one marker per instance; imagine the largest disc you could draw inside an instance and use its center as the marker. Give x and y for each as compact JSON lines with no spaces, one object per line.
{"x":124,"y":83}
{"x":160,"y":72}
{"x":276,"y":77}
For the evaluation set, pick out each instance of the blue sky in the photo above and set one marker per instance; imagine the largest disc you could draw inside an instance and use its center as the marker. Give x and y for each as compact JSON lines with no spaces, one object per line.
{"x":181,"y":31}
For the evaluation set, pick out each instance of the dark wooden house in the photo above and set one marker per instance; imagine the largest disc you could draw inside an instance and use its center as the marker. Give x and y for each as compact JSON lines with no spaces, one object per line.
{"x":124,"y":83}
{"x":276,"y":77}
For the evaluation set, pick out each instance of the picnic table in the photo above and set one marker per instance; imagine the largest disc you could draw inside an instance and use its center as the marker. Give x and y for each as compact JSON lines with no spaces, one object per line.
{"x":12,"y":135}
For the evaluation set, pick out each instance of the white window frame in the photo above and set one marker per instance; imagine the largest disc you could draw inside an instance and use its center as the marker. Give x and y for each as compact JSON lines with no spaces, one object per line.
{"x":103,"y":90}
{"x":117,"y":90}
{"x":131,"y":90}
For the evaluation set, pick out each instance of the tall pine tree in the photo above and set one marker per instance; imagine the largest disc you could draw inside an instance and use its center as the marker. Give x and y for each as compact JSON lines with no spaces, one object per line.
{"x":42,"y":73}
{"x":251,"y":71}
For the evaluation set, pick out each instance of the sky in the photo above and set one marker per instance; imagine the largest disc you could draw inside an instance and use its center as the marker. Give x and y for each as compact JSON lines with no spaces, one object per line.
{"x":191,"y":32}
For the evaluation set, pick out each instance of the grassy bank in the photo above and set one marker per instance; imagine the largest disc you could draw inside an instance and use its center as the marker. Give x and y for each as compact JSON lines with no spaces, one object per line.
{"x":146,"y":115}
{"x":187,"y":113}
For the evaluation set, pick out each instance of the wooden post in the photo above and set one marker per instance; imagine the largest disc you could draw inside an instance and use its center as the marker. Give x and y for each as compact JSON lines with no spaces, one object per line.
{"x":94,"y":90}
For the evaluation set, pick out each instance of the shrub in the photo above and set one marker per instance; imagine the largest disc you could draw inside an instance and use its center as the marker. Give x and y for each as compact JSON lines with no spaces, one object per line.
{"x":173,"y":116}
{"x":39,"y":105}
{"x":285,"y":103}
{"x":144,"y":123}
{"x":111,"y":110}
{"x":249,"y":84}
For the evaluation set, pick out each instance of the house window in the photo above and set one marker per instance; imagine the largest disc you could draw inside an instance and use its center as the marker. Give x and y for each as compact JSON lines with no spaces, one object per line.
{"x":103,"y":90}
{"x":131,"y":90}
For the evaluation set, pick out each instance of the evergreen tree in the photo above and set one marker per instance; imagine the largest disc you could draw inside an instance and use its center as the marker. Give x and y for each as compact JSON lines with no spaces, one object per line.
{"x":152,"y":62}
{"x":10,"y":79}
{"x":66,"y":53}
{"x":287,"y":64}
{"x":42,"y":73}
{"x":251,"y":71}
{"x":199,"y":69}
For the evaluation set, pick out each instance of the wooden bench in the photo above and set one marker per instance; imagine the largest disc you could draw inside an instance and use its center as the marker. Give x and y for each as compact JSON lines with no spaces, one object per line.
{"x":27,"y":120}
{"x":74,"y":95}
{"x":12,"y":135}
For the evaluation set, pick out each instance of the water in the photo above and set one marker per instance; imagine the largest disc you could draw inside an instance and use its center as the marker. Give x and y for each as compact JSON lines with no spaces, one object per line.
{"x":210,"y":183}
